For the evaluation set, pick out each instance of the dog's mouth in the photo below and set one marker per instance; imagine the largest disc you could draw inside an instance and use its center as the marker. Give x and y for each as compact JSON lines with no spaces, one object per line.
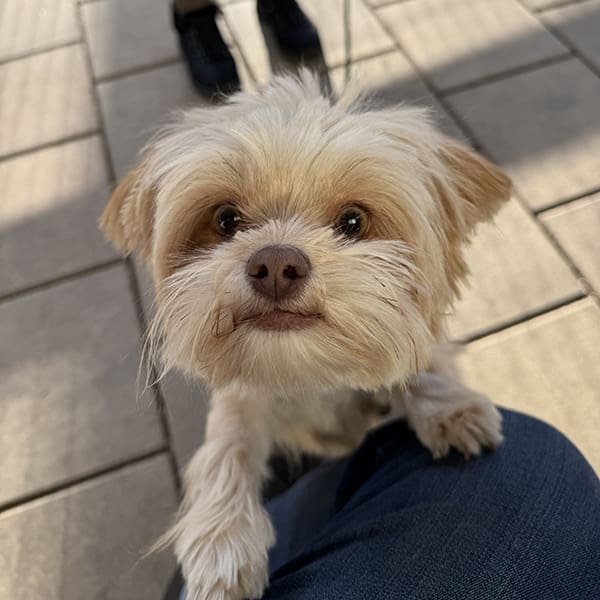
{"x":282,"y":320}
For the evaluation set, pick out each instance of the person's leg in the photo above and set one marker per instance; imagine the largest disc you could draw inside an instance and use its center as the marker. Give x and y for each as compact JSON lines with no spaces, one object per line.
{"x":187,"y":6}
{"x":293,"y":30}
{"x":389,"y":522}
{"x":209,"y":61}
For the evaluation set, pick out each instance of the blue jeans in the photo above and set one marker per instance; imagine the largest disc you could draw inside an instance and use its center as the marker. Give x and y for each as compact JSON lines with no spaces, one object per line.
{"x":388,"y":522}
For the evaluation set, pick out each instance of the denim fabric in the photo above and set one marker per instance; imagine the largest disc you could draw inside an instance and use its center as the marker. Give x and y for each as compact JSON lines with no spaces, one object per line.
{"x":388,"y":522}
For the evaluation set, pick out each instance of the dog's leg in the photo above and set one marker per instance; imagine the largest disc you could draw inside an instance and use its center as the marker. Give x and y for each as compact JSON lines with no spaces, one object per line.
{"x":223,"y":533}
{"x":444,"y":414}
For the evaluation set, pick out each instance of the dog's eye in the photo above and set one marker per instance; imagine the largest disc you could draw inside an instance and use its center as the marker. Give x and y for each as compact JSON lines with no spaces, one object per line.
{"x":227,"y":219}
{"x":352,"y":221}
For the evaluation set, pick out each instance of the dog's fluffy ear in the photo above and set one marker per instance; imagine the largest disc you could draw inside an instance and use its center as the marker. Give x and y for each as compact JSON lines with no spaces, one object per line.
{"x":128,"y":219}
{"x":478,"y":187}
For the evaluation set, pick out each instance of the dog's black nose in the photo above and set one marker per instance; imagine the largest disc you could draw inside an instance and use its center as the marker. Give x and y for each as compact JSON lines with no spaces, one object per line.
{"x":278,"y":271}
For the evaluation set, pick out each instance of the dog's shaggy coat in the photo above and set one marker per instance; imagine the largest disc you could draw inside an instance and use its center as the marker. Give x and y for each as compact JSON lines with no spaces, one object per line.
{"x":306,"y":371}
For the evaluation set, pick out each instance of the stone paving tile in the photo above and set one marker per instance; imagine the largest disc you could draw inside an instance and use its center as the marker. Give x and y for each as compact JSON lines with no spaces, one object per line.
{"x":243,"y":24}
{"x":88,"y":541}
{"x":146,"y":287}
{"x":515,"y":271}
{"x":263,"y":59}
{"x":547,"y":367}
{"x":70,"y":356}
{"x":378,"y":3}
{"x":368,"y":37}
{"x":540,"y":4}
{"x":51,"y":200}
{"x":460,"y":41}
{"x":134,"y":107}
{"x":34,"y":25}
{"x":45,"y":98}
{"x":543,"y":127}
{"x":580,"y":24}
{"x":128,"y":34}
{"x":576,"y":226}
{"x":390,"y":79}
{"x":224,"y":28}
{"x":186,"y":403}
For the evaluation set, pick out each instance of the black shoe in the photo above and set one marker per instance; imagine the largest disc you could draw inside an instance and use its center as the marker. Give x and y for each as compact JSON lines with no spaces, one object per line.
{"x":294,"y":32}
{"x":208,"y":59}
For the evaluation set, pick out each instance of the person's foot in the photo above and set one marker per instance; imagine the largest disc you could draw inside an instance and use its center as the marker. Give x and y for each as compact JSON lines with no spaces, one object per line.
{"x":209,"y":61}
{"x":294,"y":32}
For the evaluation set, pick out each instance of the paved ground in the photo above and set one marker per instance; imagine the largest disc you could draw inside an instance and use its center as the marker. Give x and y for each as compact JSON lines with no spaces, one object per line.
{"x":89,"y":475}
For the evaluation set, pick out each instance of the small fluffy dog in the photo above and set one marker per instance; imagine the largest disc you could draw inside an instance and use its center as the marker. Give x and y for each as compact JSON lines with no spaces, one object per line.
{"x":305,"y":251}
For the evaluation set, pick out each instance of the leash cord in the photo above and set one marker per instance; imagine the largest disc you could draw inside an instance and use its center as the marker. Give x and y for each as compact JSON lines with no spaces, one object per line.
{"x":347,"y":42}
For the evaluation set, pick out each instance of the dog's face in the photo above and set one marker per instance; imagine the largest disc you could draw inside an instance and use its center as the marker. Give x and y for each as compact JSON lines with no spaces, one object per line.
{"x":300,"y":244}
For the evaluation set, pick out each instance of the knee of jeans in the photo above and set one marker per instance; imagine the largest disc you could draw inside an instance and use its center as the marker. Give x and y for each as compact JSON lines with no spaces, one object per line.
{"x":535,"y":444}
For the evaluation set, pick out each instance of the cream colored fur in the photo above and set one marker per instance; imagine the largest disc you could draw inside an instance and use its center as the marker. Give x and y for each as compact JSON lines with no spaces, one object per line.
{"x":290,"y":159}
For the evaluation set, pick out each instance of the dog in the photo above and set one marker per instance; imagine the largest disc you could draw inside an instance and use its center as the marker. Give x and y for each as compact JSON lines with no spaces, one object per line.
{"x":305,"y":250}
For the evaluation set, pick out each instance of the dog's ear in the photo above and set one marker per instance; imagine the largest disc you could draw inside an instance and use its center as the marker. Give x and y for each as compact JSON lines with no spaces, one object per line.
{"x":473,"y":186}
{"x":128,"y":219}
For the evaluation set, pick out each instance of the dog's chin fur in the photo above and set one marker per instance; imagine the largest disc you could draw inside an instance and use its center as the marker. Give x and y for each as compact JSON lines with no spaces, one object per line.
{"x":371,"y":311}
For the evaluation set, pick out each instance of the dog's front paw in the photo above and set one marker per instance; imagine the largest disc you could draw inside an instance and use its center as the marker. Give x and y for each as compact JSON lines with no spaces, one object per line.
{"x":232,"y":582}
{"x":226,"y":562}
{"x":468,"y":427}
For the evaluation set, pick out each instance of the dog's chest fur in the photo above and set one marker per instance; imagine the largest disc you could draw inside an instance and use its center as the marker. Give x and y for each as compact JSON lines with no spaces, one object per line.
{"x":330,"y":424}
